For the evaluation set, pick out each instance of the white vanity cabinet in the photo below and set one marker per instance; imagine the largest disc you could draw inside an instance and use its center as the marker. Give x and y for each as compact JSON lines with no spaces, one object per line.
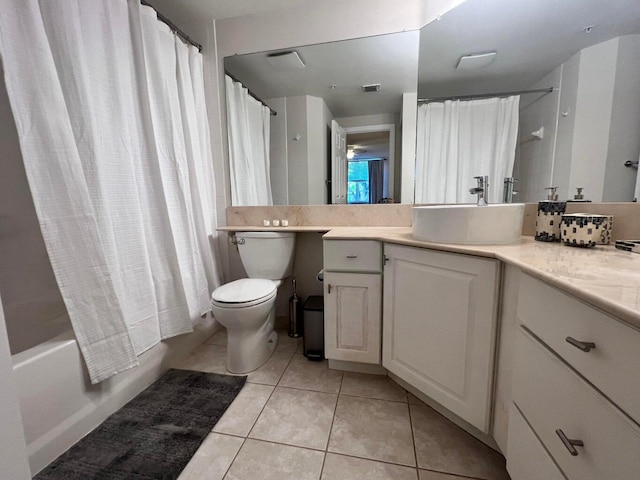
{"x":575,"y":389}
{"x":439,"y":317}
{"x":352,"y":300}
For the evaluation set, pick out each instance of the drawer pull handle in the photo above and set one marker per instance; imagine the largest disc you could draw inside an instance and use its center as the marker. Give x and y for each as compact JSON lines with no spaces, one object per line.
{"x":570,"y":443}
{"x":352,"y":256}
{"x":584,"y":346}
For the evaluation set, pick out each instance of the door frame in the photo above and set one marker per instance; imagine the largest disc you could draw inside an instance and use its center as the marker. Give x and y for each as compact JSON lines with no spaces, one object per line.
{"x":385,"y":127}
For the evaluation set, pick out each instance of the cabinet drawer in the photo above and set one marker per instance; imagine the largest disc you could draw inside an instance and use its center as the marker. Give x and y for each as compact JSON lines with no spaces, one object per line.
{"x":612,"y":366}
{"x":526,"y":457}
{"x":352,"y":255}
{"x":551,"y":396}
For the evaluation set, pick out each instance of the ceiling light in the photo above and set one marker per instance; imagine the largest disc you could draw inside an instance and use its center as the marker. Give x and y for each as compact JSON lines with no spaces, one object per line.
{"x":476,"y":60}
{"x":350,"y":154}
{"x":284,"y":61}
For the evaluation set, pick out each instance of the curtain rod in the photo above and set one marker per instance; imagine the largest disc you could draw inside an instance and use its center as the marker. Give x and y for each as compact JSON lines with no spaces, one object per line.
{"x":173,"y":27}
{"x":273,"y":112}
{"x":486,"y":95}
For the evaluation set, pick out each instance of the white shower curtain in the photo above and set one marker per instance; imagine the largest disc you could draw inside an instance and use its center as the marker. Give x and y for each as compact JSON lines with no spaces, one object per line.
{"x":249,"y":137}
{"x":458,"y":140}
{"x":110,"y":114}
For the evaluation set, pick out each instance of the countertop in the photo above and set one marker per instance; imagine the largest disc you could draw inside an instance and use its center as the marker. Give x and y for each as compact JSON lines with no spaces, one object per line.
{"x":603,"y":276}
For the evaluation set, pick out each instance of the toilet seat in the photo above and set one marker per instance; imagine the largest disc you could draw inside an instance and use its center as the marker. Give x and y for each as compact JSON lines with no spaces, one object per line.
{"x":245,"y":292}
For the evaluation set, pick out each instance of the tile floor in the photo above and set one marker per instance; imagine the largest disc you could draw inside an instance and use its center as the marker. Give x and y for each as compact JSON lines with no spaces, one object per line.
{"x":297,"y":420}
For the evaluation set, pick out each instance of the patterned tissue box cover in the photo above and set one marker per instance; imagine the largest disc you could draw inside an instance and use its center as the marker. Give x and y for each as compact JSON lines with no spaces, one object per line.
{"x":585,"y":230}
{"x":548,"y":221}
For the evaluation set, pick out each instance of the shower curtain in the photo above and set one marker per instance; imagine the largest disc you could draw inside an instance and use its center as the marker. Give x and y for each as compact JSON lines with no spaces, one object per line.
{"x":249,"y":140}
{"x":110,"y":113}
{"x":458,"y":140}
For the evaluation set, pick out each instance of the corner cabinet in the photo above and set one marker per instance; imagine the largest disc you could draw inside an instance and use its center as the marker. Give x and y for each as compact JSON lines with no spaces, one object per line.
{"x":439,"y":317}
{"x":352,"y":300}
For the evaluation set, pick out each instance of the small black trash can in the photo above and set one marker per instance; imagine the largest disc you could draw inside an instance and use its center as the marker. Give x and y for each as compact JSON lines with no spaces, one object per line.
{"x":313,"y":339}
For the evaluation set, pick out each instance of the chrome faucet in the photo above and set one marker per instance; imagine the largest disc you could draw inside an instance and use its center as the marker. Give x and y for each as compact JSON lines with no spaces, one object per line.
{"x":509,"y":192}
{"x":482,"y":190}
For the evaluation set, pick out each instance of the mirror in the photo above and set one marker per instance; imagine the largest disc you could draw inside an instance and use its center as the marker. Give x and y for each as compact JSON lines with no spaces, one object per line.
{"x":582,"y":133}
{"x":349,"y":92}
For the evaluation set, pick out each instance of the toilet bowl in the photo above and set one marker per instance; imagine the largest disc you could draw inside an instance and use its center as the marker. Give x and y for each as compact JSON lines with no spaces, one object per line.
{"x":246,"y":307}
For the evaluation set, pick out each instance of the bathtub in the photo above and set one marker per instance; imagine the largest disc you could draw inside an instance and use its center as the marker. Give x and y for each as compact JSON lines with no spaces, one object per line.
{"x":60,"y":406}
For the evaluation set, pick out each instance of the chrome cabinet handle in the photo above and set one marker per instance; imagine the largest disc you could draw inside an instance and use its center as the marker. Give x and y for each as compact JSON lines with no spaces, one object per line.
{"x":570,"y":443}
{"x":352,"y":256}
{"x":584,"y":346}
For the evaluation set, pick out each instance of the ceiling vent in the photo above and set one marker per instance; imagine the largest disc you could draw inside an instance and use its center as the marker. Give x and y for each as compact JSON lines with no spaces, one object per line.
{"x":374,"y":87}
{"x":476,"y":60}
{"x":285,"y":61}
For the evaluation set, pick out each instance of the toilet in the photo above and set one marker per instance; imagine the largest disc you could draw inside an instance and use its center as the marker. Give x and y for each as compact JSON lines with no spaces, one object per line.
{"x":246,"y":307}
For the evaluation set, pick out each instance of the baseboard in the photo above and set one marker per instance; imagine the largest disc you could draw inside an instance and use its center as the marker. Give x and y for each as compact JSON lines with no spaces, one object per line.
{"x":357,"y":367}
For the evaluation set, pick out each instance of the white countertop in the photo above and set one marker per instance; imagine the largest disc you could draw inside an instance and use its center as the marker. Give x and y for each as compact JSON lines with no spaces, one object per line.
{"x":602,"y":276}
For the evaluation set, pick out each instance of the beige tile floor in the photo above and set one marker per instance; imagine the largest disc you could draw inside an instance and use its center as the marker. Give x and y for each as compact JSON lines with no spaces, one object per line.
{"x":295,"y":419}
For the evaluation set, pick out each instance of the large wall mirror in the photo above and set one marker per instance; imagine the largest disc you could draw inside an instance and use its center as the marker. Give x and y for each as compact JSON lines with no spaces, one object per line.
{"x":585,"y":133}
{"x":336,"y":136}
{"x":581,"y":134}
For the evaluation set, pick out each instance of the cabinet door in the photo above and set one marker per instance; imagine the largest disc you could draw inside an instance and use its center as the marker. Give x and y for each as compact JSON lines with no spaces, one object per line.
{"x":352,"y":316}
{"x":440,"y":327}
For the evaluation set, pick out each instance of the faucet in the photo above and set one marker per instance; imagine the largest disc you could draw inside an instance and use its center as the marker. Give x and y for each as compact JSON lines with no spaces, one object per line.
{"x":482,"y":190}
{"x":508,"y":194}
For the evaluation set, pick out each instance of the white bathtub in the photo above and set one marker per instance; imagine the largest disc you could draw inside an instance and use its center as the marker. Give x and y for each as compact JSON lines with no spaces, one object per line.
{"x":60,"y":406}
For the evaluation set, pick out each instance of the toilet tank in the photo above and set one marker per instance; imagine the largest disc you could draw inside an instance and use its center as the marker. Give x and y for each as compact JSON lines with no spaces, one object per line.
{"x":267,"y":254}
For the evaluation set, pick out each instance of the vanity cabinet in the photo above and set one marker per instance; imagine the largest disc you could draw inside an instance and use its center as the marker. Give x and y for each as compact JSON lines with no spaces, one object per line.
{"x":352,"y":300}
{"x":439,"y":317}
{"x":574,"y":387}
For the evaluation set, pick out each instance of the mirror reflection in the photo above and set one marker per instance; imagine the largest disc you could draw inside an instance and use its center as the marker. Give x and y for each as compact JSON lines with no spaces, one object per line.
{"x":337,"y":134}
{"x":485,"y":74}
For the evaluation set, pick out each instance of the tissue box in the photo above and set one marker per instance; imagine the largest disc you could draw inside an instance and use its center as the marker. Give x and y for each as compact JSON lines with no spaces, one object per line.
{"x":586,"y":230}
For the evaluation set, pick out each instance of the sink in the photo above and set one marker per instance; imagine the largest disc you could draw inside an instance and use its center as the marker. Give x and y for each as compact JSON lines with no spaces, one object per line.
{"x":469,"y":224}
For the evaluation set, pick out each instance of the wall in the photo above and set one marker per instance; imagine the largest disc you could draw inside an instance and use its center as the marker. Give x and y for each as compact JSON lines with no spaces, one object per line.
{"x":278,"y":151}
{"x":534,"y":158}
{"x":599,"y":121}
{"x":408,"y":163}
{"x":624,"y":136}
{"x":317,"y":116}
{"x":13,"y":453}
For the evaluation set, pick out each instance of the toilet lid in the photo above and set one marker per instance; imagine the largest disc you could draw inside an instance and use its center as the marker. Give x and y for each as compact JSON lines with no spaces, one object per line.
{"x":244,"y":290}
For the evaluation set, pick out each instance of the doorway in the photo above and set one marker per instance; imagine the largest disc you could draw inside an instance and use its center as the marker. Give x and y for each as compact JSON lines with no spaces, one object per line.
{"x":370,"y":155}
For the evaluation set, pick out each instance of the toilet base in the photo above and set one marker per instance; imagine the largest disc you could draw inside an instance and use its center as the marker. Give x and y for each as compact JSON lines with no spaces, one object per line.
{"x":247,"y":351}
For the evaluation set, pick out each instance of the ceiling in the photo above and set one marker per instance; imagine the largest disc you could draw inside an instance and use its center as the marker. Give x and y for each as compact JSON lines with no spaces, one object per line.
{"x":186,"y":12}
{"x":531,"y":37}
{"x":336,"y":71}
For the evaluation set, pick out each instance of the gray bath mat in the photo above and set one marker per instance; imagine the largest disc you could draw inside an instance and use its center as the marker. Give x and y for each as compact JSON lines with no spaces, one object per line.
{"x":154,"y":435}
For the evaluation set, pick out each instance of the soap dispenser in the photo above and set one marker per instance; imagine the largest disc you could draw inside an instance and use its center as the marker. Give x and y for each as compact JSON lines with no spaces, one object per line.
{"x":579,"y":197}
{"x":549,"y":217}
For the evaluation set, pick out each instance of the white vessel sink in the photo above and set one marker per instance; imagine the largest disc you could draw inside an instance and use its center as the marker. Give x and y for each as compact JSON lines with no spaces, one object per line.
{"x":469,"y":224}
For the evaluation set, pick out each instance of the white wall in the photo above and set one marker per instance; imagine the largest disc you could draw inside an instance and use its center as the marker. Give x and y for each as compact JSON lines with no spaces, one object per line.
{"x":13,"y":452}
{"x":596,"y":81}
{"x":624,"y":136}
{"x":278,"y":151}
{"x":316,"y":149}
{"x":408,"y":163}
{"x":599,"y":121}
{"x":534,"y":158}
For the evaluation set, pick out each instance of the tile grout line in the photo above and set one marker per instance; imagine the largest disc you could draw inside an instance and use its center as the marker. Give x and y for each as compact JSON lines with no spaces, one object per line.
{"x":413,"y":438}
{"x":333,"y":419}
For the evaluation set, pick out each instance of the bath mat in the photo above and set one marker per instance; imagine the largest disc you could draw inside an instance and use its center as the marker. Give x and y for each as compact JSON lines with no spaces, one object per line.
{"x":154,"y":435}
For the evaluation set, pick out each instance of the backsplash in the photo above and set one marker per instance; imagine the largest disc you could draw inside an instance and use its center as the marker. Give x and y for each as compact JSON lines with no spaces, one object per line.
{"x":626,"y":222}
